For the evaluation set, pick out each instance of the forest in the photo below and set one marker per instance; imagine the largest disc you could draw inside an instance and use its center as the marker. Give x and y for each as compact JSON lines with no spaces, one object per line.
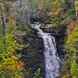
{"x":38,"y":38}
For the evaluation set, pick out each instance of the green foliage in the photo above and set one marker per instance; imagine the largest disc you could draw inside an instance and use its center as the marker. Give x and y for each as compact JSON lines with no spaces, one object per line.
{"x":37,"y":74}
{"x":74,"y":68}
{"x":8,"y":61}
{"x":34,"y":4}
{"x":71,"y":46}
{"x":55,"y":21}
{"x":23,"y":28}
{"x":10,"y":66}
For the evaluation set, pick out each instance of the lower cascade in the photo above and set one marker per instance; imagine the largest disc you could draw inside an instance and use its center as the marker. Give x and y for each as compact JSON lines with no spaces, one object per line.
{"x":51,"y":59}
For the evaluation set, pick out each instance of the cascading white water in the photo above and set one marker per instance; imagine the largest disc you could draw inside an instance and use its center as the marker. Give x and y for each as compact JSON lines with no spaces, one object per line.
{"x":51,"y":59}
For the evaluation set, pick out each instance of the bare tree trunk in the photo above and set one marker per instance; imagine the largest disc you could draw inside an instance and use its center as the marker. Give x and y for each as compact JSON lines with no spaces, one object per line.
{"x":3,"y":22}
{"x":76,"y":7}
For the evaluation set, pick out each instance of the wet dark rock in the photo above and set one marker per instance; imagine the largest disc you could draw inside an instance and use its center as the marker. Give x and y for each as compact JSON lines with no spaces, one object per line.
{"x":60,"y":41}
{"x":33,"y":54}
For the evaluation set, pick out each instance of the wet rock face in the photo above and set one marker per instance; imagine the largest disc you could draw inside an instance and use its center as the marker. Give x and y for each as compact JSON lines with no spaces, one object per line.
{"x":60,"y":41}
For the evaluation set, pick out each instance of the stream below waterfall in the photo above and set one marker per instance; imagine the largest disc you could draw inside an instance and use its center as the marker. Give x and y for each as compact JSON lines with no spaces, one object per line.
{"x":51,"y":59}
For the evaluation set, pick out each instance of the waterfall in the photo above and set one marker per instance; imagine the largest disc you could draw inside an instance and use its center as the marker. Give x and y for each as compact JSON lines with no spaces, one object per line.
{"x":51,"y":59}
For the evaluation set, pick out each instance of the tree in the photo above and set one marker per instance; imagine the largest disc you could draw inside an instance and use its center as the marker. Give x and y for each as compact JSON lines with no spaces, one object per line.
{"x":71,"y":46}
{"x":10,"y":66}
